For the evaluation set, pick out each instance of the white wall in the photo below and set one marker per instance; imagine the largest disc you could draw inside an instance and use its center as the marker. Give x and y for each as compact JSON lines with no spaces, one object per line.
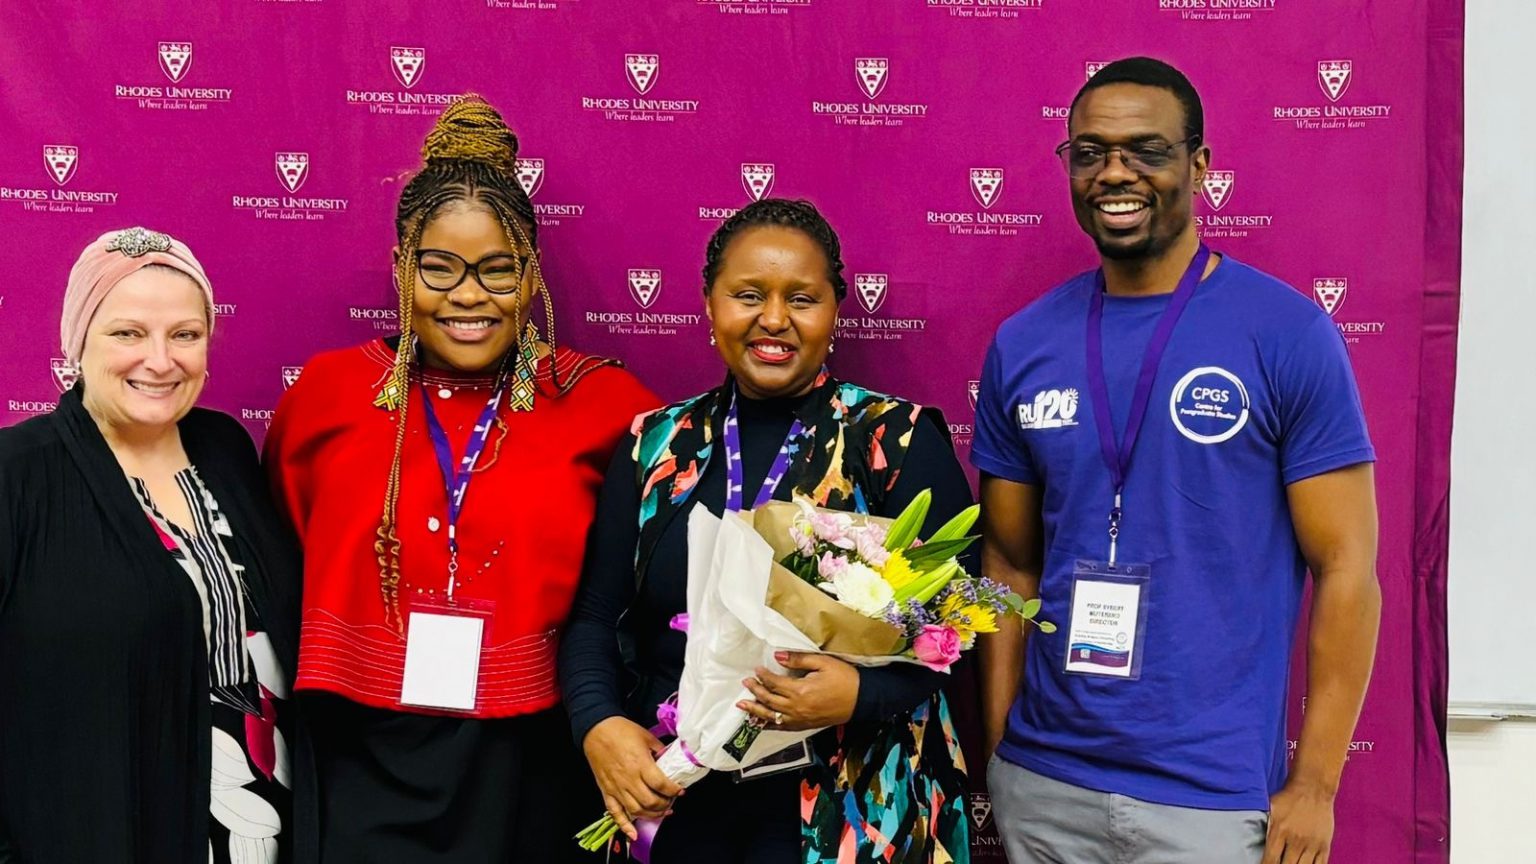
{"x":1493,"y":790}
{"x":1493,"y":763}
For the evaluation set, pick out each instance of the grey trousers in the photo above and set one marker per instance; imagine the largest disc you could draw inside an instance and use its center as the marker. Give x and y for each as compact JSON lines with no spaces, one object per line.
{"x":1045,"y":821}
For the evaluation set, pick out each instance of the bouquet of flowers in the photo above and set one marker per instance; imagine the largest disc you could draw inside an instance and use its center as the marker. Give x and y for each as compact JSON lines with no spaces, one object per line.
{"x":790,"y":576}
{"x":885,"y":572}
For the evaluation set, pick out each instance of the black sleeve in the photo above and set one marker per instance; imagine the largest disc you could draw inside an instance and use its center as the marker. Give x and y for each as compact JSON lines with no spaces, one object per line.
{"x":590,"y":665}
{"x":8,"y":852}
{"x":889,"y":691}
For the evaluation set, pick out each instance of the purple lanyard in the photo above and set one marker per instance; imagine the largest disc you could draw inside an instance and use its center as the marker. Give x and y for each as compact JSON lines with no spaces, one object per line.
{"x":1118,"y":459}
{"x":456,"y":482}
{"x":734,"y":481}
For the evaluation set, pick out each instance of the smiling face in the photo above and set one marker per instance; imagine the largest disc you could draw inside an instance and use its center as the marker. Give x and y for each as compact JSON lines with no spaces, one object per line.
{"x":146,"y":351}
{"x":1131,"y":215}
{"x":773,"y":310}
{"x":467,"y":328}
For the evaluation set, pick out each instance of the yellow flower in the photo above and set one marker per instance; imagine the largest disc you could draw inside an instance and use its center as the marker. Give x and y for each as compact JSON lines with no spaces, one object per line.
{"x":950,"y":606}
{"x":898,"y":572}
{"x":968,"y":620}
{"x":982,"y":619}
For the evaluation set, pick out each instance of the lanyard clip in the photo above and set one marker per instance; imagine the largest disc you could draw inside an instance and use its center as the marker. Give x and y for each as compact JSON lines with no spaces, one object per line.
{"x":1114,"y":528}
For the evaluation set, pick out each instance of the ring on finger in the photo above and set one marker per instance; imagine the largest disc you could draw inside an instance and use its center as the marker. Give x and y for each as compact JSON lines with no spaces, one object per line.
{"x":778,"y":718}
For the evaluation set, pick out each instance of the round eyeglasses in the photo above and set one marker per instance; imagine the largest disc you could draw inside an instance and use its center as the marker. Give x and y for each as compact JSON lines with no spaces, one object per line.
{"x":1085,"y":159}
{"x":444,"y":271}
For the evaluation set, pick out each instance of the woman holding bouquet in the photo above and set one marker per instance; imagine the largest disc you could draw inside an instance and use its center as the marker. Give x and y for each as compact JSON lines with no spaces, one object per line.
{"x":442,"y":483}
{"x":888,"y":775}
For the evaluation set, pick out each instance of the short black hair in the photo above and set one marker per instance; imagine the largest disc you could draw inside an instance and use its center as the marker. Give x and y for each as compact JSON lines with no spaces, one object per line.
{"x":1151,"y":72}
{"x":800,"y":215}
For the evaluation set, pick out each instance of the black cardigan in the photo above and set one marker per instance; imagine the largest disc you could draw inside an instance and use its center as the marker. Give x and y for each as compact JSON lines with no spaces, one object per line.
{"x":104,"y":704}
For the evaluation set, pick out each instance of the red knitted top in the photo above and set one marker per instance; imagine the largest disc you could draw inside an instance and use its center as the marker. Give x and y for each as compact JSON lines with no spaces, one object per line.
{"x":521,"y":532}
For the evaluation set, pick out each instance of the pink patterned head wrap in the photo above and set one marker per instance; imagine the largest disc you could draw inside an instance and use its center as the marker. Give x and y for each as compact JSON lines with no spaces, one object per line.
{"x":106,"y":262}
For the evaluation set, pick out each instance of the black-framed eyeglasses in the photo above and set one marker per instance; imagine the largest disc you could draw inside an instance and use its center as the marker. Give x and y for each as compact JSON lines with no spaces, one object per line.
{"x":1085,"y":159}
{"x":444,"y":271}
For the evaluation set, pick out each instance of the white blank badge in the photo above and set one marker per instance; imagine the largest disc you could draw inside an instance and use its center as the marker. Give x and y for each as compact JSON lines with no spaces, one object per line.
{"x":442,"y":661}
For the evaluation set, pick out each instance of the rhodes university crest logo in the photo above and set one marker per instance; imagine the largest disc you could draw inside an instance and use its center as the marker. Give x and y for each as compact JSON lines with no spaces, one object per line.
{"x":872,"y":72}
{"x":65,"y":373}
{"x":642,"y":70}
{"x":981,"y":810}
{"x":291,"y":375}
{"x":530,"y":175}
{"x":973,"y":392}
{"x":645,"y":286}
{"x":986,"y":184}
{"x":870,"y":289}
{"x":1333,"y":76}
{"x":757,"y":179}
{"x":1330,"y":293}
{"x":407,"y":64}
{"x":292,"y":169}
{"x":1092,"y":67}
{"x":1217,"y":188}
{"x":61,"y":160}
{"x":175,"y":60}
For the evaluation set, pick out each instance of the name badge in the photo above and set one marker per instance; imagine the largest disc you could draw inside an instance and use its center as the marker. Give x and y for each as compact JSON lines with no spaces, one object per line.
{"x":791,"y":758}
{"x":1108,"y":627}
{"x":442,"y":657}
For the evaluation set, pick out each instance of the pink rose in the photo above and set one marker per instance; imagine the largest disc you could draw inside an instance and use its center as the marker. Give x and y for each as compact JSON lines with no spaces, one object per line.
{"x":937,"y":647}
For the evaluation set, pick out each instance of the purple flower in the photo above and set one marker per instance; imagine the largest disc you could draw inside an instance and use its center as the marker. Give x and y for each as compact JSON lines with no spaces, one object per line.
{"x":679,"y":622}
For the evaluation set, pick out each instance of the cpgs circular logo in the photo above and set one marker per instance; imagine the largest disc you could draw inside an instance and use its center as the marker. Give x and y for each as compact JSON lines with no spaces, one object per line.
{"x":1209,"y":405}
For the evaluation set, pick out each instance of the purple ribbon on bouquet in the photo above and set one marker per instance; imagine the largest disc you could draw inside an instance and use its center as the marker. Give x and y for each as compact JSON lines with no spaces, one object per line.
{"x":666,"y":725}
{"x":645,"y":829}
{"x":666,"y":718}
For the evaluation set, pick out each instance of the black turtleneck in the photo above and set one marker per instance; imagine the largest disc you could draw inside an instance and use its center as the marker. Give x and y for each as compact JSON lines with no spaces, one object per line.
{"x":591,"y":669}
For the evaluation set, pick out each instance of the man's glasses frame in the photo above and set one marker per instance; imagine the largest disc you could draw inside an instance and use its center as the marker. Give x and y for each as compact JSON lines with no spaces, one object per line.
{"x":1085,"y":159}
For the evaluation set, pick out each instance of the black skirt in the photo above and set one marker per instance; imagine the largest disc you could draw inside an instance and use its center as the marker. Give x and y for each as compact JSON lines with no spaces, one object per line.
{"x":412,"y":789}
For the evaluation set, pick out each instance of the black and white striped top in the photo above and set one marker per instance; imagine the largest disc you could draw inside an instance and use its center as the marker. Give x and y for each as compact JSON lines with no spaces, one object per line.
{"x":217,"y":578}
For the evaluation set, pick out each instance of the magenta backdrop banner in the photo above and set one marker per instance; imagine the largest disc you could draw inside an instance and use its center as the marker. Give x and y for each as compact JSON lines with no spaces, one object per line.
{"x":273,"y":137}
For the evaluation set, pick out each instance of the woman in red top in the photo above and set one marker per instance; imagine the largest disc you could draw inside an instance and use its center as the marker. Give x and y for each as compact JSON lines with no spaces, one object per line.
{"x":442,"y":484}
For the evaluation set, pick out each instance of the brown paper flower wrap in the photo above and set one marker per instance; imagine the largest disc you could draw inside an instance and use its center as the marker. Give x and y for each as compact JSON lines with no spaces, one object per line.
{"x":834,"y":628}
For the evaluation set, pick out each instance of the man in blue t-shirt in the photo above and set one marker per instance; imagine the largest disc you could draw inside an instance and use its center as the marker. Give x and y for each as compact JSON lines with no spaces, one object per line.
{"x":1167,"y":445}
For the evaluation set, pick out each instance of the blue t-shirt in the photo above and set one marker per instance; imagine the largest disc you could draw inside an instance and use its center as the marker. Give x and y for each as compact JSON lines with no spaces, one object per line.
{"x":1254,"y":392}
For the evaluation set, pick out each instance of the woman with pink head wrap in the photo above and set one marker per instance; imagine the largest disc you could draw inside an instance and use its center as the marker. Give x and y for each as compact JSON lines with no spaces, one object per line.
{"x":112,"y":257}
{"x":148,"y":595}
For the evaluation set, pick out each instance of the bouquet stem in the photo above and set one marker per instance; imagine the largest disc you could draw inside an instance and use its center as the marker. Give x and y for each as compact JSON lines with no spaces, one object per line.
{"x":598,"y":834}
